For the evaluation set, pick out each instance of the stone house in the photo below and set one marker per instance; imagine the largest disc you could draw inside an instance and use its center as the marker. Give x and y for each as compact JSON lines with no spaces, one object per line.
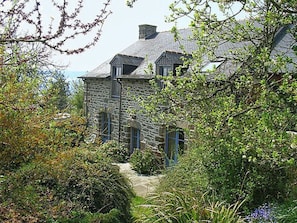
{"x":112,"y":112}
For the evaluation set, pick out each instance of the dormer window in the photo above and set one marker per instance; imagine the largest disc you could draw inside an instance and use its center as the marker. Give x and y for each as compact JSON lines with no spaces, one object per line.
{"x":115,"y":85}
{"x":168,"y":64}
{"x":164,"y":70}
{"x":122,"y":65}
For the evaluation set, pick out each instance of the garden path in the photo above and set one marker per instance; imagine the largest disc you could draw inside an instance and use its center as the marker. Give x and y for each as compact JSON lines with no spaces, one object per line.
{"x":142,"y":184}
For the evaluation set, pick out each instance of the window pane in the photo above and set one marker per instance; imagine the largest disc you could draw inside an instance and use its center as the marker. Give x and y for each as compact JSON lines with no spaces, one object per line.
{"x":164,"y":70}
{"x":135,"y":139}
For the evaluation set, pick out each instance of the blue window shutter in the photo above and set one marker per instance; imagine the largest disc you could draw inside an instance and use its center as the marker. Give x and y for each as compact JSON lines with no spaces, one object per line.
{"x":108,"y":126}
{"x":138,"y":138}
{"x":166,"y":148}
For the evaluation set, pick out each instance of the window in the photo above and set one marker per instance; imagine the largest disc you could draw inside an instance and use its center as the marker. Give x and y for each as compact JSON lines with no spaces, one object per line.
{"x":163,"y":71}
{"x":127,"y":69}
{"x":135,"y":139}
{"x":211,"y":66}
{"x":183,"y":70}
{"x":174,"y":145}
{"x":115,"y":86}
{"x":105,"y":126}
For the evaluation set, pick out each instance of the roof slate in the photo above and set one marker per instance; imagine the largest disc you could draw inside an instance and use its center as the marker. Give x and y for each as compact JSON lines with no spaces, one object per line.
{"x":152,"y":48}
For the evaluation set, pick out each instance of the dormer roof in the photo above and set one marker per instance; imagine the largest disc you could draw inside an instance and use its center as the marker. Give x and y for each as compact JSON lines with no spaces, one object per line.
{"x":120,"y":59}
{"x":170,"y":57}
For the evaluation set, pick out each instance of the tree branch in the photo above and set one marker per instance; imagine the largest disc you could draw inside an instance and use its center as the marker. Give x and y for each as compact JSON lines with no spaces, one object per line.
{"x":69,"y":24}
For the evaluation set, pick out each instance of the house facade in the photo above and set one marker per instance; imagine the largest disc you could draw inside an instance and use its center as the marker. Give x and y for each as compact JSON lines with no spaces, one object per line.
{"x":110,"y":91}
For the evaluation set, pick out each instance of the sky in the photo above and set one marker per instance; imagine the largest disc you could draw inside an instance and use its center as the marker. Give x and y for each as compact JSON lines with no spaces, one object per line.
{"x":121,"y":30}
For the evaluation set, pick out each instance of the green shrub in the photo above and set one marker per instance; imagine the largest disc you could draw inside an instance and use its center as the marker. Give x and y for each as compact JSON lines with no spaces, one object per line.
{"x":182,"y":196}
{"x":286,"y":212}
{"x":146,"y":161}
{"x":77,"y":181}
{"x":114,"y":216}
{"x":256,"y":165}
{"x":115,"y":151}
{"x":187,"y":175}
{"x":181,"y":207}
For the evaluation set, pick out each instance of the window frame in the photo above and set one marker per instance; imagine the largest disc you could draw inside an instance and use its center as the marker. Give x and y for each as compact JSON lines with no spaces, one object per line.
{"x":162,"y":69}
{"x":177,"y":141}
{"x":105,"y":126}
{"x":134,"y":139}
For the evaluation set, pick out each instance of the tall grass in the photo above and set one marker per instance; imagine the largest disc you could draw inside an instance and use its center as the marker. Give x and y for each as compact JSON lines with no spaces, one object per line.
{"x":182,"y":207}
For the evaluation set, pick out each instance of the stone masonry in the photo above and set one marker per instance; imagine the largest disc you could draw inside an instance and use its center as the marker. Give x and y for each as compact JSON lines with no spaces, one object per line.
{"x":98,"y":98}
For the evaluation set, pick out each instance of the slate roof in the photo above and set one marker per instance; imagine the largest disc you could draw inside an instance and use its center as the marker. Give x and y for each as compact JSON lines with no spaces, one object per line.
{"x":150,"y":49}
{"x":283,"y":45}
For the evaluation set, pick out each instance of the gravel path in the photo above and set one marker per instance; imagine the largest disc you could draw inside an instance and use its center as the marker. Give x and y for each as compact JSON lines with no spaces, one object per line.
{"x":142,"y":185}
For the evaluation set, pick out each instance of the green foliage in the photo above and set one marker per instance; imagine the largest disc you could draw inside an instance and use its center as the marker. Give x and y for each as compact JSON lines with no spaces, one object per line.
{"x":188,"y":175}
{"x":146,"y":161}
{"x":252,"y":163}
{"x":24,"y":112}
{"x":76,"y":98}
{"x":180,"y":207}
{"x":66,"y":131}
{"x":57,"y":90}
{"x":114,"y":216}
{"x":180,"y":196}
{"x":65,"y":185}
{"x":30,"y":124}
{"x":139,"y":208}
{"x":116,"y":152}
{"x":286,"y":212}
{"x":240,"y":113}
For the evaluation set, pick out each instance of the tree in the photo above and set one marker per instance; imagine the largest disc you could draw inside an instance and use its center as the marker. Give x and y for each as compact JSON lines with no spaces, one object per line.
{"x":27,"y":110}
{"x":240,"y":119}
{"x":58,"y":90}
{"x":77,"y":96}
{"x":23,"y":112}
{"x":53,"y":32}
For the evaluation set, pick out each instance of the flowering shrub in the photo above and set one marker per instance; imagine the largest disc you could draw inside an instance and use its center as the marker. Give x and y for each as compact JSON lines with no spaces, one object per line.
{"x":262,"y":214}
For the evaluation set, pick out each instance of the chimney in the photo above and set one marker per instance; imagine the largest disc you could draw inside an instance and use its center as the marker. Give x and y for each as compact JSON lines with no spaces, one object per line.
{"x":146,"y":30}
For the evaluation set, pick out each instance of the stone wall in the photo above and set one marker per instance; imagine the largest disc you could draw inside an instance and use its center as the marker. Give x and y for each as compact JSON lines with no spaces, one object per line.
{"x":98,"y":99}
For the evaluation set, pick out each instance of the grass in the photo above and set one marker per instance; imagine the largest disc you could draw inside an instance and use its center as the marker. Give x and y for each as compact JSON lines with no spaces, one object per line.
{"x":138,"y":209}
